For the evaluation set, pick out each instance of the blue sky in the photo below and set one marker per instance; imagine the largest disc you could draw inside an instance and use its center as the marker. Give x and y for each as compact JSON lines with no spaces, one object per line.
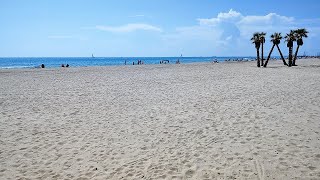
{"x":118,"y":28}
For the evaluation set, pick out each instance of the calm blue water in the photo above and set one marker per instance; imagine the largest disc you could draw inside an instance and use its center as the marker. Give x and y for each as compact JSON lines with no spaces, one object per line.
{"x":51,"y":62}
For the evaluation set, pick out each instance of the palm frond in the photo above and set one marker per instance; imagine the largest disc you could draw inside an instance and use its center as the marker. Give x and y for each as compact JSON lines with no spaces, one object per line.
{"x":276,"y":37}
{"x":262,"y":37}
{"x":291,"y":36}
{"x":300,"y":33}
{"x":255,"y":37}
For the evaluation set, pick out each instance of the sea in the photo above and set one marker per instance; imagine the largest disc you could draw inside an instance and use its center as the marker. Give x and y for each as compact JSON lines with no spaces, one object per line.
{"x":54,"y":62}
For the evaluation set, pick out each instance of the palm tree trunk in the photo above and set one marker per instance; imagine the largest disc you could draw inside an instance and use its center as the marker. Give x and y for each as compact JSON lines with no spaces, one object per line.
{"x":295,"y":56}
{"x":258,"y":58}
{"x":266,"y":63}
{"x":290,"y":56}
{"x":284,"y":61}
{"x":262,"y":54}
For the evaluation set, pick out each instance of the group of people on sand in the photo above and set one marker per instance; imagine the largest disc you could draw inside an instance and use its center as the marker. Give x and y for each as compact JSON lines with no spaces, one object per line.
{"x":43,"y":66}
{"x":138,"y":63}
{"x":239,"y":60}
{"x":164,"y":62}
{"x":167,"y":61}
{"x":161,"y":62}
{"x":62,"y":65}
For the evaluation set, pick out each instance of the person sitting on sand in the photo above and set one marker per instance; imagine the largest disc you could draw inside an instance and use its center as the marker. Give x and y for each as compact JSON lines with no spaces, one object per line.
{"x":42,"y":66}
{"x":67,"y":65}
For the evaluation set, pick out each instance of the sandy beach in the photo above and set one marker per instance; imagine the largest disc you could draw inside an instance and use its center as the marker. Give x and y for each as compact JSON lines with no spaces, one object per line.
{"x":187,"y":121}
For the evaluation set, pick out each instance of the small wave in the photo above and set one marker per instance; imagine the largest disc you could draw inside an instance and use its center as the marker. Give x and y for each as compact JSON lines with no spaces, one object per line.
{"x":16,"y":67}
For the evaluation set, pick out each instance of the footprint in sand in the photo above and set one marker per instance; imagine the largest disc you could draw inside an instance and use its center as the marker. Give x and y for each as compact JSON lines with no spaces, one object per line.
{"x":259,"y":168}
{"x":189,"y":173}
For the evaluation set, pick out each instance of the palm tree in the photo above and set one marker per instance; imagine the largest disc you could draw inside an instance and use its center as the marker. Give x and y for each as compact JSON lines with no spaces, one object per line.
{"x":275,"y":39}
{"x":299,"y":34}
{"x":262,"y":41}
{"x":256,"y":40}
{"x":289,"y":39}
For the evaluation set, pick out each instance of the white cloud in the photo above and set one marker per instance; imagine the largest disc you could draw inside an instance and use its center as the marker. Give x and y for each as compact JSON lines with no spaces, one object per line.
{"x":269,"y":23}
{"x":244,"y":24}
{"x":229,"y":17}
{"x":129,"y":28}
{"x":271,"y":18}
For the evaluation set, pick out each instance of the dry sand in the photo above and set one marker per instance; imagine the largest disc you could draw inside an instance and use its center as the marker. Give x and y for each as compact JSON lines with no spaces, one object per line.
{"x":188,"y":121}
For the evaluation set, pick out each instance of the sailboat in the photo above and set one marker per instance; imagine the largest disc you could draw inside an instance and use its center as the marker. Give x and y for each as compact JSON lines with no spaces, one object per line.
{"x":92,"y":56}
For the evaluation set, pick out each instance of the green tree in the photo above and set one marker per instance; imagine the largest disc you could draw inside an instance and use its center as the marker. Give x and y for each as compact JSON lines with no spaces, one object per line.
{"x":275,"y":39}
{"x":256,"y":40}
{"x":289,"y":39}
{"x":299,"y":35}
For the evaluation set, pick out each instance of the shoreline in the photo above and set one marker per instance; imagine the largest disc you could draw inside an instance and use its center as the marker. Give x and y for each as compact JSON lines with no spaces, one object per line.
{"x":53,"y":62}
{"x":123,"y":65}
